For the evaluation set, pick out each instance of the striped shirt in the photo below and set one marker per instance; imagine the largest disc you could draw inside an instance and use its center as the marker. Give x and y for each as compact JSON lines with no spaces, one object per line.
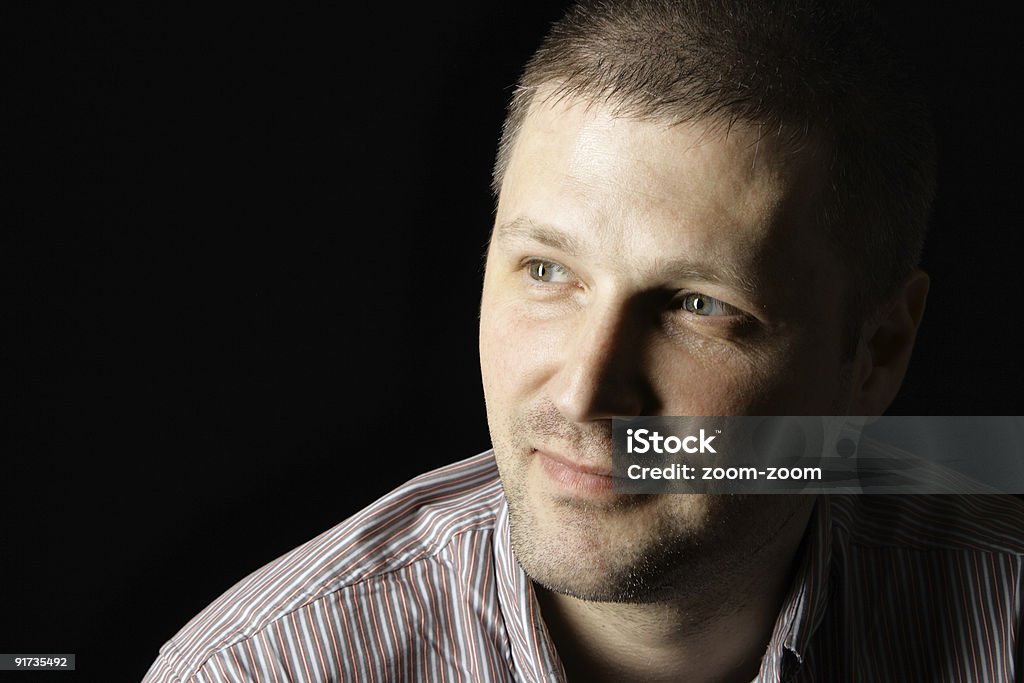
{"x":423,"y":586}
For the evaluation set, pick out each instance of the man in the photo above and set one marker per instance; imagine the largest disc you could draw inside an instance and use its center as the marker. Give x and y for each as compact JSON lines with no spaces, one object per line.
{"x":705,"y":208}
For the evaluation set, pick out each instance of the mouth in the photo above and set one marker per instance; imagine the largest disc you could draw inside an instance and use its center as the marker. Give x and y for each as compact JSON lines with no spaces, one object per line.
{"x":573,"y":475}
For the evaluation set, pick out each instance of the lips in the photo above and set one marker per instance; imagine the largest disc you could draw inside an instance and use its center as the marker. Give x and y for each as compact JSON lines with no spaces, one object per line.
{"x":574,"y":475}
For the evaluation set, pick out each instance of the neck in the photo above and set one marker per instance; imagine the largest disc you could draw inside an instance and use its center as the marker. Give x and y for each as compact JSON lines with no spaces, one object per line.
{"x":719,"y":636}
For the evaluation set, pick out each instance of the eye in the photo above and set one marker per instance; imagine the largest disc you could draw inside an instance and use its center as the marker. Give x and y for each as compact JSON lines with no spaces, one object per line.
{"x":704,"y":305}
{"x":547,"y":271}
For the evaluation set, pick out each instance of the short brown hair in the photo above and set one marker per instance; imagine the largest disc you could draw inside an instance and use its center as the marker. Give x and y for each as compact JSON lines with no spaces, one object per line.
{"x":802,"y":69}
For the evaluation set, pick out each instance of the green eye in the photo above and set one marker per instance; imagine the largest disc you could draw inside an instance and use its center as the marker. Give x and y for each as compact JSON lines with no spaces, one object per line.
{"x":547,"y":271}
{"x":704,"y":305}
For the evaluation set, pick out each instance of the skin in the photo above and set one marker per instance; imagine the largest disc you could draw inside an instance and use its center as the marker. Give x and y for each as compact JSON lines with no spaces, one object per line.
{"x":638,"y":268}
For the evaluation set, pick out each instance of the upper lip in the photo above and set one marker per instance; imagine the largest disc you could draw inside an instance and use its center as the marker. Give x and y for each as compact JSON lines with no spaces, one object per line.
{"x":576,"y":463}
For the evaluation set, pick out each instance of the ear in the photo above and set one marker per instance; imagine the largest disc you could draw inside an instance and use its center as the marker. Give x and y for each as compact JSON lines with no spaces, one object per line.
{"x":885,"y":346}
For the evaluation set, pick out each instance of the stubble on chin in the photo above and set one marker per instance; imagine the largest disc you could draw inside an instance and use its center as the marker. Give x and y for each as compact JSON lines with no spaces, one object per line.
{"x":605,"y":553}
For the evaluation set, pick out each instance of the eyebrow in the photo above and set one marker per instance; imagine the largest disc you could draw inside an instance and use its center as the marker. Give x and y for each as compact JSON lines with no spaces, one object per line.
{"x":524,"y":229}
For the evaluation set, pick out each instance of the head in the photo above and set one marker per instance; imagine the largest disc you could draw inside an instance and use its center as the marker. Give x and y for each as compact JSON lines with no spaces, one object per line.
{"x":704,"y":208}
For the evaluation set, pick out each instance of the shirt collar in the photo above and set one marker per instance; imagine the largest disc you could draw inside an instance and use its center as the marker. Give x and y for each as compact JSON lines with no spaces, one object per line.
{"x":532,"y":651}
{"x":807,"y":601}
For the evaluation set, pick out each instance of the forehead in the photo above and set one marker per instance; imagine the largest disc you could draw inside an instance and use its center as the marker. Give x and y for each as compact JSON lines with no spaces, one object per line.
{"x":646,"y":190}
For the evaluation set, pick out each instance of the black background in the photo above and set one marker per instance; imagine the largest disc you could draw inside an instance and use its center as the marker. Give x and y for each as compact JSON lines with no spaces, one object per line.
{"x":242,"y":253}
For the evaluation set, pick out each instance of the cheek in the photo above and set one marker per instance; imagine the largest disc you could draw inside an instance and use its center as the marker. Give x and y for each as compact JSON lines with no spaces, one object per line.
{"x":815,"y":384}
{"x":804,"y":381}
{"x":517,"y":351}
{"x":698,"y":376}
{"x":709,"y":378}
{"x":504,"y":346}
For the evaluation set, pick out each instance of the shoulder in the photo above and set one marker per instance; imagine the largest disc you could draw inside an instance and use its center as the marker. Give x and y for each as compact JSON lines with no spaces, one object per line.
{"x":951,"y":522}
{"x":396,"y":538}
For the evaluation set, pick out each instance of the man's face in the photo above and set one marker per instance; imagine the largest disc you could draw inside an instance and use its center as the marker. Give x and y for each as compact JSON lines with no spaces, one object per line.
{"x":644,"y":269}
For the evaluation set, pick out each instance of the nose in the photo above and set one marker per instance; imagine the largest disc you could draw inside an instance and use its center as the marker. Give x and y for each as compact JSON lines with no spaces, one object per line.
{"x":602,"y":366}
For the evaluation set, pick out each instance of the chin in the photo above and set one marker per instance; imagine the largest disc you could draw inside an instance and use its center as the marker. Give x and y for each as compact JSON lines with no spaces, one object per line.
{"x":632,"y":557}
